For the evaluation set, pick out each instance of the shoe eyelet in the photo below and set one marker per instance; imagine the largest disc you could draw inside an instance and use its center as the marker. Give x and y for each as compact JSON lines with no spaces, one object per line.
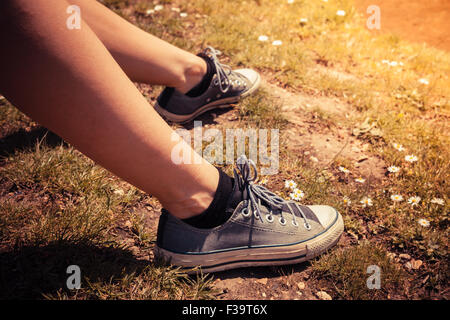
{"x":245,"y":212}
{"x":294,"y":223}
{"x":269,"y":218}
{"x":216,"y":82}
{"x":282,"y":221}
{"x":307,"y":226}
{"x":256,"y":215}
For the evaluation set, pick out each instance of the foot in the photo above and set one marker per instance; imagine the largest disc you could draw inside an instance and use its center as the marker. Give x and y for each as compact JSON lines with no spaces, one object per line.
{"x":226,"y":87}
{"x":263,"y":230}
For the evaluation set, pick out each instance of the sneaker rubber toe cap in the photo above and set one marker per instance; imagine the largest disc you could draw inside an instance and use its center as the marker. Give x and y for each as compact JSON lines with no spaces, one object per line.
{"x":325,"y":214}
{"x":250,"y":74}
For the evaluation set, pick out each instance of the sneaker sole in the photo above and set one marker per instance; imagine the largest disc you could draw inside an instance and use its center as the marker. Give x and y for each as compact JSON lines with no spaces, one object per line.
{"x":252,"y":257}
{"x":217,"y":104}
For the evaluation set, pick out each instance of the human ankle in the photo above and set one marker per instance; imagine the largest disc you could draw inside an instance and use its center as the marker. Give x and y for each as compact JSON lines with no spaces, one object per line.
{"x":191,"y":206}
{"x":193,"y":73}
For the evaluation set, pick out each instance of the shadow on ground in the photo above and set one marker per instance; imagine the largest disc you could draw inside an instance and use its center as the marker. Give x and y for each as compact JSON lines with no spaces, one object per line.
{"x":32,"y":272}
{"x":208,"y":117}
{"x":262,"y":272}
{"x":25,"y":139}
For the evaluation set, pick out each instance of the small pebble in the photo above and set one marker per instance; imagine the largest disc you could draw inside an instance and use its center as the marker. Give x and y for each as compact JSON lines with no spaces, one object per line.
{"x":322,"y":295}
{"x":301,"y":285}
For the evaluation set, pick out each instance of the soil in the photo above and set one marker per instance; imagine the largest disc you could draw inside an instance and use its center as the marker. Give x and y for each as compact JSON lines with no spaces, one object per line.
{"x":415,"y":20}
{"x":324,"y":143}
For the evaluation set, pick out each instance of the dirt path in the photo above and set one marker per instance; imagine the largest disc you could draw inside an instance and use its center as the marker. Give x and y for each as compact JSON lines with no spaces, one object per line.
{"x":324,"y":143}
{"x":414,"y":20}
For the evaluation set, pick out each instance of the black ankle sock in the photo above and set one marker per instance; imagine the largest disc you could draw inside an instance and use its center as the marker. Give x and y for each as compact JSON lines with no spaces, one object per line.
{"x":215,"y":214}
{"x":201,"y":87}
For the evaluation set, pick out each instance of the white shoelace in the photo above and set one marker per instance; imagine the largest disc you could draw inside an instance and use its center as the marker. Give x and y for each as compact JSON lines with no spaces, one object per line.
{"x":256,"y":193}
{"x":223,"y":71}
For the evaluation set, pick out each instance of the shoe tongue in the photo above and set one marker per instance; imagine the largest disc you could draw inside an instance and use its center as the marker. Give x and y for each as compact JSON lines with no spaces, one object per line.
{"x":239,"y":192}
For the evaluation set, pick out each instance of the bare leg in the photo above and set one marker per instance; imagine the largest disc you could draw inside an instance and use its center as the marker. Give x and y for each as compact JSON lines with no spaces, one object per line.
{"x":144,"y":57}
{"x":68,"y":81}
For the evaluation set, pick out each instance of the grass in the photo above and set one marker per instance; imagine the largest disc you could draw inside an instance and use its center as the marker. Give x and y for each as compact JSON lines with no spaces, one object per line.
{"x":258,"y":110}
{"x":58,"y":204}
{"x":346,"y":269}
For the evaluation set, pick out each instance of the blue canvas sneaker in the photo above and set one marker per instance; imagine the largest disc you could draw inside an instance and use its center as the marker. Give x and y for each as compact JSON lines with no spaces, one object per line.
{"x":227,"y":86}
{"x":264,"y":229}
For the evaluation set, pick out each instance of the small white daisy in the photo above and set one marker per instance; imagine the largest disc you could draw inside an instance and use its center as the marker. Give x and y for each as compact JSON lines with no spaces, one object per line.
{"x":290,"y":184}
{"x":438,"y":201}
{"x":158,"y":7}
{"x":343,"y":169}
{"x":411,"y":158}
{"x":385,"y":61}
{"x":346,"y":201}
{"x":397,"y":197}
{"x":119,"y":192}
{"x":149,"y":12}
{"x":183,"y":14}
{"x":340,"y":13}
{"x":393,"y":63}
{"x":174,"y":9}
{"x":360,"y":180}
{"x":393,"y":169}
{"x":263,"y":38}
{"x":303,"y":20}
{"x":398,"y":147}
{"x":366,"y":202}
{"x":424,"y":81}
{"x":414,"y":201}
{"x":290,"y":1}
{"x":263,"y":181}
{"x":424,"y":223}
{"x":297,"y":194}
{"x":277,"y":43}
